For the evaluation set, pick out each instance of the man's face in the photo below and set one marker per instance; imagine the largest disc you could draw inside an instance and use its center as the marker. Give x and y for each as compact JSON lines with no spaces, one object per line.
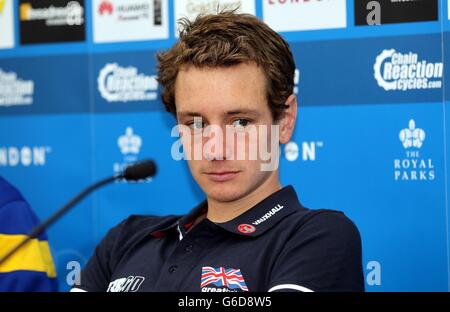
{"x":226,"y":96}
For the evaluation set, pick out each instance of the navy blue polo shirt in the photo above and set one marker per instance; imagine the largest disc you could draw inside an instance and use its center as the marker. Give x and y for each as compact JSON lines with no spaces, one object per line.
{"x":277,"y":245}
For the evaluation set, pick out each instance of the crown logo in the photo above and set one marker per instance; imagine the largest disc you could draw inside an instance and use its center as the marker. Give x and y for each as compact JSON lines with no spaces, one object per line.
{"x":412,"y":136}
{"x":129,"y":143}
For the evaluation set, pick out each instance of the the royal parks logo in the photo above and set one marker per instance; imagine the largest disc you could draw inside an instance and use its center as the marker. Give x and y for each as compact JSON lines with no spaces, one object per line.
{"x":413,"y":165}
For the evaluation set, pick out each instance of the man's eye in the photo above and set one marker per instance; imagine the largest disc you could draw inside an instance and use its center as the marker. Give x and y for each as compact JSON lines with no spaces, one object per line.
{"x":240,"y":123}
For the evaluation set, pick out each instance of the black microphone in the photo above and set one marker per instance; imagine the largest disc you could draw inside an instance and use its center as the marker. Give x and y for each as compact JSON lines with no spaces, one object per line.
{"x":138,"y":171}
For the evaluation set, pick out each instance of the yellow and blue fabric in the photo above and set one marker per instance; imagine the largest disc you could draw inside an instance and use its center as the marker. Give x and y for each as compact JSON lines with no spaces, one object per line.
{"x":32,"y":267}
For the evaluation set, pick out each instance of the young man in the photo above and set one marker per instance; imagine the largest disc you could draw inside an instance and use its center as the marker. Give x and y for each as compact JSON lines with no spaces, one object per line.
{"x":229,"y":83}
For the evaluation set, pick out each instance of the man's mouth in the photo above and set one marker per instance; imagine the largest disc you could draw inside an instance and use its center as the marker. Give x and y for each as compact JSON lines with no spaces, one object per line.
{"x":221,"y":176}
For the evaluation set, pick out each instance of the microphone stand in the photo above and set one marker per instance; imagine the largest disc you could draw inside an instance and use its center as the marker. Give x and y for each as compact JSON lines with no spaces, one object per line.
{"x":41,"y":227}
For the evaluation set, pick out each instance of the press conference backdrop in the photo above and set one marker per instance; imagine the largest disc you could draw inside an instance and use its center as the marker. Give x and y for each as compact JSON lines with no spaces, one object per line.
{"x":79,"y":101}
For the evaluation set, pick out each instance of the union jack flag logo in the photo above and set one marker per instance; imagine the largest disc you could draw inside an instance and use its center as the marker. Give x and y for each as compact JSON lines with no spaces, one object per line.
{"x":223,"y":277}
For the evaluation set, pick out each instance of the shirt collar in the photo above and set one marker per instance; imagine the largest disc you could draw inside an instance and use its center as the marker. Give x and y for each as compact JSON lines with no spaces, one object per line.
{"x":254,"y":222}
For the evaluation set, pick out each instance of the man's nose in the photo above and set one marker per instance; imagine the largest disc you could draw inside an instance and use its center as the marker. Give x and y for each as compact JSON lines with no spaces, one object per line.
{"x":217,"y":146}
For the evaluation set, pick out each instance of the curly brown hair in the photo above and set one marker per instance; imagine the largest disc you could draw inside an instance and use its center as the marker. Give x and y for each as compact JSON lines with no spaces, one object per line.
{"x":226,"y":39}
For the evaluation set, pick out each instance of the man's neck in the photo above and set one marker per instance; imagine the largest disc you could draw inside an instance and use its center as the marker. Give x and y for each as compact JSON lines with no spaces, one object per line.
{"x":220,"y":212}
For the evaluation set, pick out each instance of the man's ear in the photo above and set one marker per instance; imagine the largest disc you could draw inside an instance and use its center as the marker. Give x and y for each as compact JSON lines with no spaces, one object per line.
{"x":287,"y":120}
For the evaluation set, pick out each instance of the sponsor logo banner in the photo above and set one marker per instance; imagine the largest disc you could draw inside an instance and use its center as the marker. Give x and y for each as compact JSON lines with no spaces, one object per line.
{"x":130,"y":145}
{"x":284,"y":15}
{"x":44,"y":85}
{"x":192,"y":8}
{"x":24,"y":156}
{"x":403,"y":69}
{"x":6,"y":24}
{"x":14,"y":90}
{"x":395,"y":11}
{"x":46,"y":21}
{"x":126,"y":82}
{"x":413,"y":166}
{"x":406,"y":71}
{"x":130,"y":20}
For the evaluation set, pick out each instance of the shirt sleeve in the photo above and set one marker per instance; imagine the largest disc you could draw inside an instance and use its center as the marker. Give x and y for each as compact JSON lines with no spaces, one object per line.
{"x":30,"y":268}
{"x":95,"y":276}
{"x":323,"y":255}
